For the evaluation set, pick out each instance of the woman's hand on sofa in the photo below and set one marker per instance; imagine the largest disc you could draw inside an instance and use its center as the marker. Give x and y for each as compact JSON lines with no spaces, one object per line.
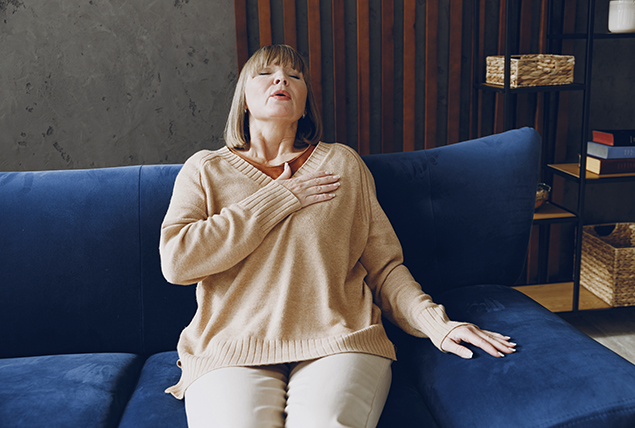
{"x":494,"y":344}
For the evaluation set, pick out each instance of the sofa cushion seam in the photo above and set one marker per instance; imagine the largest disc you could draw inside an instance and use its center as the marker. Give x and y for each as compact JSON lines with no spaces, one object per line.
{"x":141,"y":266}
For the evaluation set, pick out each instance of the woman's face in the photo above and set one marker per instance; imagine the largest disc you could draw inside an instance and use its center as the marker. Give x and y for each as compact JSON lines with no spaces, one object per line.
{"x":276,"y":92}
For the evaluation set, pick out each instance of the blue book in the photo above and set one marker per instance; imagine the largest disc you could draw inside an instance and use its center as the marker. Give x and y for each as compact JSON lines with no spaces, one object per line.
{"x":610,"y":152}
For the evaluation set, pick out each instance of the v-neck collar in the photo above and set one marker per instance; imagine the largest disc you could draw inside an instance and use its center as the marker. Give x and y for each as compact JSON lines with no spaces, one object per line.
{"x":310,"y":165}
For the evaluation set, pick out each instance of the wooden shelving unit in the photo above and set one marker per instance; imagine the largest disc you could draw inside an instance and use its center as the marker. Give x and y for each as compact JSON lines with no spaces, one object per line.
{"x":572,"y":170}
{"x":562,"y":296}
{"x":550,"y":213}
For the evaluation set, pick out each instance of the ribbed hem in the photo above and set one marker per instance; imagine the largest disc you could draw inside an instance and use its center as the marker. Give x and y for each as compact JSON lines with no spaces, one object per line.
{"x":257,"y":352}
{"x":435,"y":324}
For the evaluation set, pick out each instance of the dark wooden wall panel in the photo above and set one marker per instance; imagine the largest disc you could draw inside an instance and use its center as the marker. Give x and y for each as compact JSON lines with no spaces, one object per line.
{"x":524,"y":45}
{"x":339,"y":70}
{"x":315,"y":49}
{"x":363,"y":76}
{"x":454,"y":74}
{"x":290,"y":28}
{"x":480,"y":67}
{"x":387,"y":74}
{"x":431,"y":95}
{"x":409,"y":74}
{"x":417,"y":84}
{"x":264,"y":22}
{"x":242,"y":43}
{"x":499,"y":112}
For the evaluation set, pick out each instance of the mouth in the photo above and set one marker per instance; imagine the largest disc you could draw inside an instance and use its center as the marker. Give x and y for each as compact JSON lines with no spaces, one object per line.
{"x":281,"y":95}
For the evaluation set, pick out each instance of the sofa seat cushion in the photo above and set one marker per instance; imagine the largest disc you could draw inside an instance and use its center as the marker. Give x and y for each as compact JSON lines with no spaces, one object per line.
{"x":79,"y":390}
{"x":150,"y":406}
{"x":558,"y":376}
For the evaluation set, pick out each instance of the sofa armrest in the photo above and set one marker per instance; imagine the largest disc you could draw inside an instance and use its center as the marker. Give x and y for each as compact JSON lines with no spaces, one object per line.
{"x":558,"y":377}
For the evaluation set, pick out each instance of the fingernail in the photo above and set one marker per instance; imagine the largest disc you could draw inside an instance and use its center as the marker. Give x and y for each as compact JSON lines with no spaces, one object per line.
{"x":500,"y":354}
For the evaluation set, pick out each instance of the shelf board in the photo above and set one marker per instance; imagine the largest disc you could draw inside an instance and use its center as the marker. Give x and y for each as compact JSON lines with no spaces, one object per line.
{"x":573,"y":170}
{"x":532,"y":89}
{"x":558,"y":297}
{"x":570,"y":169}
{"x":549,"y":213}
{"x":614,"y":35}
{"x":583,"y":36}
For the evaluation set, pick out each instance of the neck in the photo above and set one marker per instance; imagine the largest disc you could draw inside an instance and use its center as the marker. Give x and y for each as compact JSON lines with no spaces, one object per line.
{"x":272,"y":144}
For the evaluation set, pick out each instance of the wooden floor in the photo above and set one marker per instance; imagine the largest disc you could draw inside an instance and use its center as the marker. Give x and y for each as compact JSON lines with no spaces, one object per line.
{"x":559,"y":297}
{"x":612,"y":327}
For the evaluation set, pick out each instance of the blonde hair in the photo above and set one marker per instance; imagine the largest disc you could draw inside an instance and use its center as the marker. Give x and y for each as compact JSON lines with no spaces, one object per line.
{"x":309,"y":129}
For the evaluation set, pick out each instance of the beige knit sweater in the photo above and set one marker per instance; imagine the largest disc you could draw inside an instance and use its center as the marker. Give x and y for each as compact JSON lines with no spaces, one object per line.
{"x":280,"y":283}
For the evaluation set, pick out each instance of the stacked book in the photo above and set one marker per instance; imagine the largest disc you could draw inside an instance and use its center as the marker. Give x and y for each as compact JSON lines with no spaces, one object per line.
{"x":611,"y":152}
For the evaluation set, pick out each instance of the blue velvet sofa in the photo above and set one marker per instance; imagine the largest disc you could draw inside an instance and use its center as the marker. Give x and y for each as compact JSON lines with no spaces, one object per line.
{"x":89,"y":326}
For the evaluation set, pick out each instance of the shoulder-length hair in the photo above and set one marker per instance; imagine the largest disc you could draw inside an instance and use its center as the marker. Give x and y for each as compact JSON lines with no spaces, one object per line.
{"x":309,"y":129}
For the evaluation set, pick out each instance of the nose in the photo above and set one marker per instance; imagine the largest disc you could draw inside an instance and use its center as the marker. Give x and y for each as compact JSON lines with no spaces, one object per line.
{"x":280,"y":78}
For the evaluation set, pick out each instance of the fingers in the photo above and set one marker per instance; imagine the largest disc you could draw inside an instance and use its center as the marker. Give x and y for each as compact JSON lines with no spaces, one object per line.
{"x":494,"y":344}
{"x":311,"y":188}
{"x":500,"y":342}
{"x":456,"y":349}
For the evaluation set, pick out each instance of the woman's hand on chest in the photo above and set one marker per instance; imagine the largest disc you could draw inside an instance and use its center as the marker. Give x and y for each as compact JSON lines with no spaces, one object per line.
{"x":310,"y":188}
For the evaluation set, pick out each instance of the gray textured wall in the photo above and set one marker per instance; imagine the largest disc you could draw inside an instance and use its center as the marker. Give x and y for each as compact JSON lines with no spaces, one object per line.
{"x":95,"y":83}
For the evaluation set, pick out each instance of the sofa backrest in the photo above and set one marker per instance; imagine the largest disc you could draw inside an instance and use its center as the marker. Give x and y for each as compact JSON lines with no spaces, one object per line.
{"x":463,"y":212}
{"x":79,"y":261}
{"x":80,"y":269}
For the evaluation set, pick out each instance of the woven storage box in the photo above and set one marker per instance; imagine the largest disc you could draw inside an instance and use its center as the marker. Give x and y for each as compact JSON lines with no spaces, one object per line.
{"x":608,"y":263}
{"x":531,"y":70}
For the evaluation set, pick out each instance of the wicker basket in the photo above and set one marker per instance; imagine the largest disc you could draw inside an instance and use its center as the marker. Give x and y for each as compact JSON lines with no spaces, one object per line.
{"x":531,"y":70}
{"x":608,"y":263}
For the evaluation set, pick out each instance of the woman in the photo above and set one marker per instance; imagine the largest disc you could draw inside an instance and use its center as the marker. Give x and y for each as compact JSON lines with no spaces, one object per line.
{"x":295,"y":263}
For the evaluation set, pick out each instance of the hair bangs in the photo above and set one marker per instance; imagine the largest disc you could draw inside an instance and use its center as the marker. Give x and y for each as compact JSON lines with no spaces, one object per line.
{"x":281,"y":55}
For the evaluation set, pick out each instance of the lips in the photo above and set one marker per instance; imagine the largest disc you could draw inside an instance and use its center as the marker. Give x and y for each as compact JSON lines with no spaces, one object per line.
{"x":281,"y":95}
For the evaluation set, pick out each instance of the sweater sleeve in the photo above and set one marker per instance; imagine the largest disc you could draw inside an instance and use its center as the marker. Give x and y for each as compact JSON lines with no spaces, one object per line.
{"x":195,"y":245}
{"x":396,"y":292}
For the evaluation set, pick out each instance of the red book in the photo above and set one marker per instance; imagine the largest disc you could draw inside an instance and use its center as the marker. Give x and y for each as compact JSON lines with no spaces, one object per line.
{"x":615,"y":137}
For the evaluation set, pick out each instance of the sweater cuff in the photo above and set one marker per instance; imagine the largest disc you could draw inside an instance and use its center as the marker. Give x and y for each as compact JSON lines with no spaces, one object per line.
{"x":271,"y":204}
{"x":435,"y":324}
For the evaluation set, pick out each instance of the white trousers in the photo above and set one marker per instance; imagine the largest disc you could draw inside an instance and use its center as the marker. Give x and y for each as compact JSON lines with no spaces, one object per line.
{"x":342,"y":390}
